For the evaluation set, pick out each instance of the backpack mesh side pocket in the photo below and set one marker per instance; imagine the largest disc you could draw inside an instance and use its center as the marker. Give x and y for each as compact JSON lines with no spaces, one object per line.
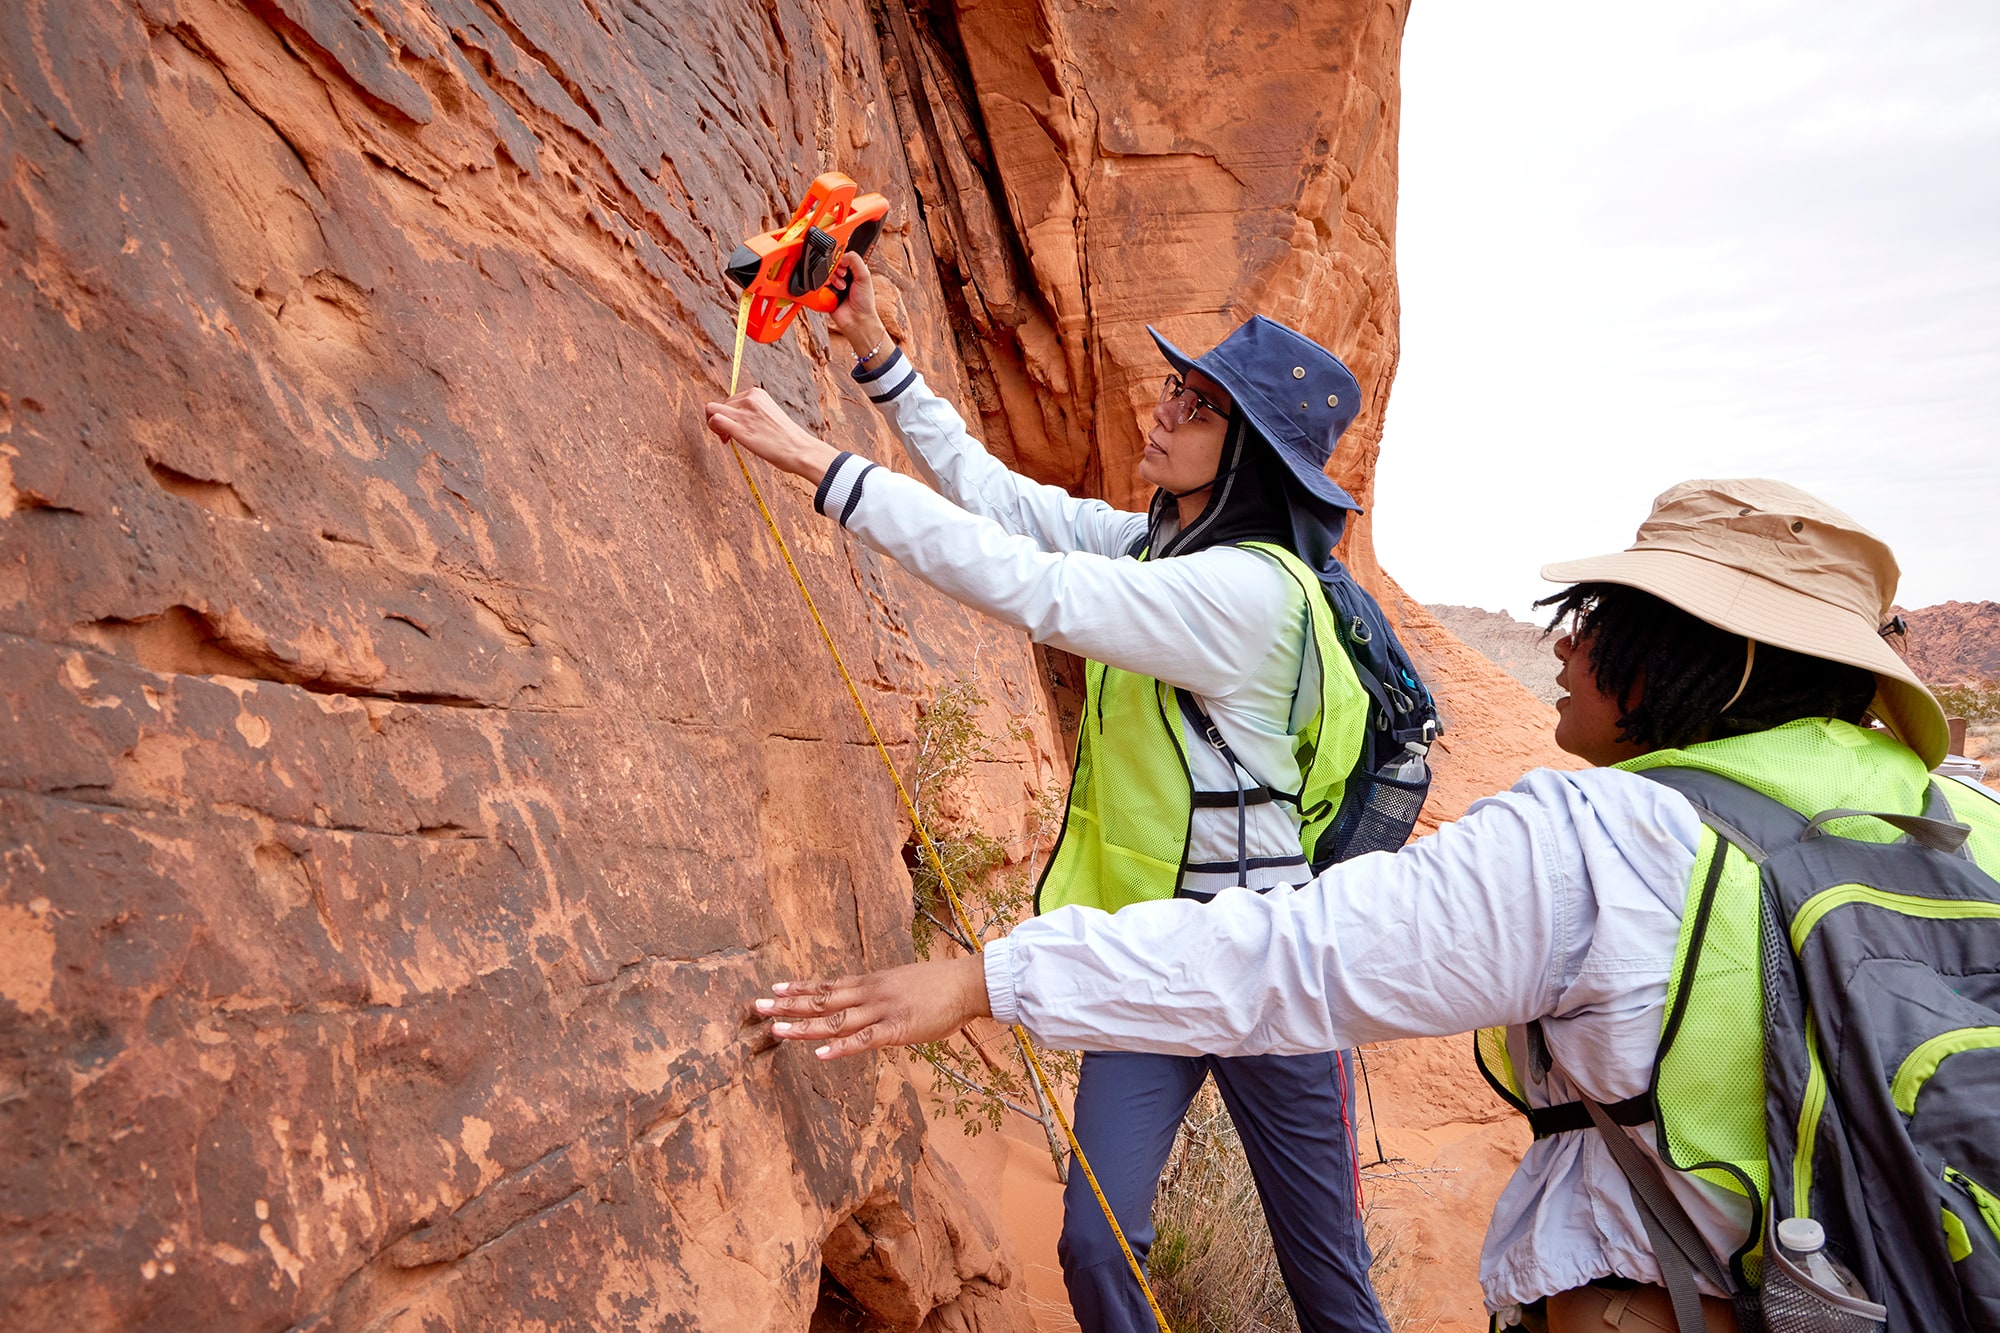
{"x":1794,"y":1303}
{"x":1377,"y":819}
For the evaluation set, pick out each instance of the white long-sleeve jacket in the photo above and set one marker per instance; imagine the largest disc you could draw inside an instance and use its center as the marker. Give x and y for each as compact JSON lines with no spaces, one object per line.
{"x":1226,"y":624}
{"x":1559,"y":900}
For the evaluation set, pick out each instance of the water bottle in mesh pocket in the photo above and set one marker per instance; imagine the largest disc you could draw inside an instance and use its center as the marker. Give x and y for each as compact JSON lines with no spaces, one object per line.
{"x":1794,"y":1303}
{"x":1385,"y":792}
{"x":1379,"y":811}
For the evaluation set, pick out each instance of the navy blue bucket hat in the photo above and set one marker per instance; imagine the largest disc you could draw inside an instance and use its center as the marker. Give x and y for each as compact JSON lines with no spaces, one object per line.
{"x":1293,"y":392}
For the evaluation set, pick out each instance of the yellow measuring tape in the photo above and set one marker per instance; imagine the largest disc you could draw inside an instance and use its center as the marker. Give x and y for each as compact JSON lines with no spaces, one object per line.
{"x":923,"y":835}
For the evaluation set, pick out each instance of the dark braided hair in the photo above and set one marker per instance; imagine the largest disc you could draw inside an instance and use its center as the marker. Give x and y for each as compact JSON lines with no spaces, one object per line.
{"x":1690,"y":668}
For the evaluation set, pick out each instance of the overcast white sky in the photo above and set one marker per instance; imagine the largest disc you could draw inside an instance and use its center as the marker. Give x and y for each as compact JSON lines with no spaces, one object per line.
{"x":1641,"y":243}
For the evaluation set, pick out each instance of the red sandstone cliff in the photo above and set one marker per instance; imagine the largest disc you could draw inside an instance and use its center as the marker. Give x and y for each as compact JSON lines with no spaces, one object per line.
{"x":414,"y":756}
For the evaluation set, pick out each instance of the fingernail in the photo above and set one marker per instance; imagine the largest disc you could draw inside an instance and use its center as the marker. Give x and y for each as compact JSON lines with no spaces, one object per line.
{"x":764,"y":1006}
{"x":781,"y":987}
{"x":823,"y":1052}
{"x":781,"y":1027}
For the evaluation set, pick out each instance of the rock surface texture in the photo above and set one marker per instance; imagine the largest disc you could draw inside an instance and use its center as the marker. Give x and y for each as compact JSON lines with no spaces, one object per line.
{"x":414,"y":755}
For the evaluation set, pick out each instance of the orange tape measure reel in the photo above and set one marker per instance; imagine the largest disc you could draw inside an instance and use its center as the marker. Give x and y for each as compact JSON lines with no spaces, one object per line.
{"x":783,"y":270}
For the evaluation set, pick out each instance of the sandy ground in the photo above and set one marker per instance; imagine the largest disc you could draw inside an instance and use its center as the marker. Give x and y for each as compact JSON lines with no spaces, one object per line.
{"x":1014,"y":1165}
{"x":1451,"y":1145}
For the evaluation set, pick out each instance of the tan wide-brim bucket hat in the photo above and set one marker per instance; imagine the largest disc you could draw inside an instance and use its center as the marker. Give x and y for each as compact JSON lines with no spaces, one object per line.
{"x":1769,"y":562}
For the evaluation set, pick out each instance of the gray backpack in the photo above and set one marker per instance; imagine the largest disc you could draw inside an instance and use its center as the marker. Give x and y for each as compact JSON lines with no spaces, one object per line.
{"x":1881,"y":970}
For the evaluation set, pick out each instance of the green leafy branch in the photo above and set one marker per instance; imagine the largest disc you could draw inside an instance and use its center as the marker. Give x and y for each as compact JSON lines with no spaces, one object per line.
{"x":971,"y":1082}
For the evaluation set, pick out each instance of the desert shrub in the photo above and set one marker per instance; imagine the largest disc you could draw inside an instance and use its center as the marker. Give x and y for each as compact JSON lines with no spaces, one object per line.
{"x":978,"y":1079}
{"x":1977,"y":701}
{"x":1212,"y":1266}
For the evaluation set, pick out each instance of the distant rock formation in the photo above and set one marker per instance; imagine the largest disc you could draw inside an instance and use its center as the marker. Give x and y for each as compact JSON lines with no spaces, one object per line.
{"x":1952,"y":643}
{"x":1522,"y":649}
{"x":1955,"y":643}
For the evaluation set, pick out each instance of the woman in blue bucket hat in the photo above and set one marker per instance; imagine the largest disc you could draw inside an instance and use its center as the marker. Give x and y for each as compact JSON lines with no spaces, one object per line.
{"x":1221,"y":721}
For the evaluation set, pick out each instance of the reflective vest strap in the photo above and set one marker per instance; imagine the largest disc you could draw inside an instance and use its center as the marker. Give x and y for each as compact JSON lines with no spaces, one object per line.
{"x":1226,"y":800}
{"x":1695,"y":933}
{"x":1335,"y":737}
{"x":1548,"y":1120}
{"x":1129,"y":819}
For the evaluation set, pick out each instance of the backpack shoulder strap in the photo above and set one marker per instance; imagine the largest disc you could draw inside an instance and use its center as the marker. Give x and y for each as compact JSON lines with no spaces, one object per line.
{"x":1404,"y":710}
{"x":1755,"y":823}
{"x":1759,"y":825}
{"x":1677,"y":1242}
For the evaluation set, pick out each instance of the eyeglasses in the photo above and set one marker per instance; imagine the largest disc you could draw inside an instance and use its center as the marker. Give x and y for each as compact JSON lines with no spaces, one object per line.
{"x":1184,"y":404}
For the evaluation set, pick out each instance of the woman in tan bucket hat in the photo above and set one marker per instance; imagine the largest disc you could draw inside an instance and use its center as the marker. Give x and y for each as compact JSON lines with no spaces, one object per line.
{"x":1775,"y":568}
{"x":1740,"y":635}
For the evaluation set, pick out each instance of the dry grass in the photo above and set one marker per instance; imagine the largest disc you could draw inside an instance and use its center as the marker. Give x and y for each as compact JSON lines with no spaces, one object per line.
{"x":1394,"y":1272}
{"x":1212,"y":1266}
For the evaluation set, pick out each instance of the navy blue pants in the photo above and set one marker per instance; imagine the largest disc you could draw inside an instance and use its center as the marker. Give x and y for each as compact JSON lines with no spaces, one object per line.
{"x":1291,"y":1111}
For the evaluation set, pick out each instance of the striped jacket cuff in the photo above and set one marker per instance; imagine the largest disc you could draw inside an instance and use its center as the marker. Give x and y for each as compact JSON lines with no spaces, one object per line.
{"x":884,"y":383}
{"x":840,"y":489}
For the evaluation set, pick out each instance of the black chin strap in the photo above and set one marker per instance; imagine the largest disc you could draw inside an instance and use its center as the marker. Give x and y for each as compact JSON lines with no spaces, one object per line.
{"x":1235,"y":452}
{"x":1247,"y":502}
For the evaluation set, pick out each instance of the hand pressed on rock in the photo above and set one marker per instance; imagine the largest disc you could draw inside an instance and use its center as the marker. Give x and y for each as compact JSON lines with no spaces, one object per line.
{"x":754,"y":420}
{"x":900,"y":1007}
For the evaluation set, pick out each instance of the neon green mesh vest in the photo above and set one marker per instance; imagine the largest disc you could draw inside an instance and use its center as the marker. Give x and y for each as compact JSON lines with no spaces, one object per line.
{"x":1708,"y":1080}
{"x":1131,"y":802}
